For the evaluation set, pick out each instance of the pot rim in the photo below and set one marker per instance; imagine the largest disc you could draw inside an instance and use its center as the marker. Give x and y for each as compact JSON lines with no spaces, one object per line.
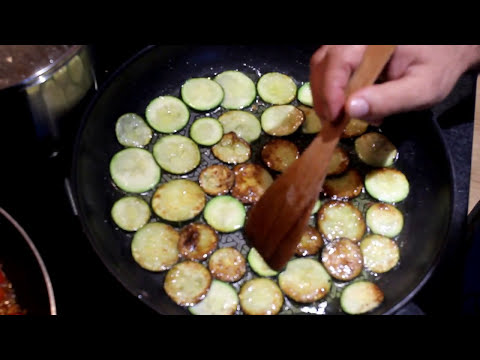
{"x":46,"y":72}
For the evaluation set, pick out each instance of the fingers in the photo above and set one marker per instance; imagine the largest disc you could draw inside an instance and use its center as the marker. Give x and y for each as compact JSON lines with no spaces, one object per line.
{"x":407,"y":93}
{"x":330,"y":70}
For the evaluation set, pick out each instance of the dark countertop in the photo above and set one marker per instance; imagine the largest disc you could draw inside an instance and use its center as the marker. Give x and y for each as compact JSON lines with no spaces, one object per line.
{"x":35,"y":195}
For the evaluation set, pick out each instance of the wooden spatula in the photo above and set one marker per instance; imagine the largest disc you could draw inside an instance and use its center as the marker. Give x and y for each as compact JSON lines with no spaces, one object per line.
{"x":277,"y":221}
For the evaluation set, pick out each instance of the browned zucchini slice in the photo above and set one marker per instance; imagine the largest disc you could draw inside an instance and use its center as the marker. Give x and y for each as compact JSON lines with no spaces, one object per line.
{"x":261,"y":296}
{"x":345,"y":186}
{"x":338,"y":219}
{"x":355,"y":127}
{"x":251,"y":182}
{"x":339,"y":162}
{"x":361,"y":297}
{"x":310,"y":243}
{"x":380,"y":253}
{"x":384,"y":219}
{"x":312,"y":123}
{"x":187,"y":283}
{"x":232,"y":149}
{"x":197,"y":241}
{"x":227,"y":264}
{"x":216,"y":179}
{"x":305,"y":280}
{"x":279,"y":154}
{"x":376,"y":149}
{"x":178,"y":200}
{"x":154,"y":246}
{"x":343,"y":259}
{"x":281,"y":120}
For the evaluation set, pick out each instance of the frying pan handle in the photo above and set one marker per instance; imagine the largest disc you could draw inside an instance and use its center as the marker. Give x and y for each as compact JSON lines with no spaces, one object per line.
{"x":71,"y":200}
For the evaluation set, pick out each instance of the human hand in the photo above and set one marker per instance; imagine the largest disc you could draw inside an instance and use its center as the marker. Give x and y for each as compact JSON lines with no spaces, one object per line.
{"x":417,"y":77}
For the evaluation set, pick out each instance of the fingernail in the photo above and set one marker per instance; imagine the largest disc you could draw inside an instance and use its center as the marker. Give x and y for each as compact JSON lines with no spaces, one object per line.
{"x":358,"y":107}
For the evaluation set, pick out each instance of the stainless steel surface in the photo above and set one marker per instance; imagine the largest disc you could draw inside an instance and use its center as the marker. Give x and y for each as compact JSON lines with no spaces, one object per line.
{"x":54,"y":90}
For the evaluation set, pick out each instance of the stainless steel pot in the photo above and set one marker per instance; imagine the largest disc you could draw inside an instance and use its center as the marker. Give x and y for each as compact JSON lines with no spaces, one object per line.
{"x":47,"y":96}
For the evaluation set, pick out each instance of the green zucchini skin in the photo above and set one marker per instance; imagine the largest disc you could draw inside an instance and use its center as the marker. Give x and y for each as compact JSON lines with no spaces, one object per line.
{"x":134,"y":170}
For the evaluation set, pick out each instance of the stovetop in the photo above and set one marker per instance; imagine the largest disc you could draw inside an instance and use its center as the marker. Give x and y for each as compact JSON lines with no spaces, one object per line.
{"x":35,"y":176}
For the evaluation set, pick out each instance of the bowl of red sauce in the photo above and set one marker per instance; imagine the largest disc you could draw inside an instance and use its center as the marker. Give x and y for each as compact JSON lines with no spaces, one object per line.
{"x":25,"y":285}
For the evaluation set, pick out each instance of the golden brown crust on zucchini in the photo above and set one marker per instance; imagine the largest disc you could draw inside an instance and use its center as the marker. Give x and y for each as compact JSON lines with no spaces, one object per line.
{"x":187,"y":282}
{"x":282,"y":120}
{"x":380,"y":253}
{"x":261,"y":296}
{"x":312,"y":123}
{"x":376,"y":149}
{"x":251,"y":182}
{"x":338,"y":219}
{"x":227,"y":264}
{"x":355,"y":127}
{"x":343,"y":259}
{"x":178,"y":200}
{"x":305,"y":280}
{"x":279,"y":154}
{"x":232,"y":149}
{"x":197,"y":241}
{"x":339,"y":162}
{"x":216,"y":179}
{"x":310,"y":243}
{"x":346,"y":186}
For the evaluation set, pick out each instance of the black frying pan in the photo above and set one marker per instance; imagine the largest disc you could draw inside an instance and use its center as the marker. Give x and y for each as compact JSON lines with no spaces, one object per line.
{"x":159,"y":71}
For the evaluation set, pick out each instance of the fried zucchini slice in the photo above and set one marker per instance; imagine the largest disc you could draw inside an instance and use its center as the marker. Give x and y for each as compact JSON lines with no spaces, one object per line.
{"x":130,"y":213}
{"x":202,"y":93}
{"x":221,"y":299}
{"x":239,"y":89}
{"x":187,"y":283}
{"x":134,"y":170}
{"x":304,"y":94}
{"x":261,"y":296}
{"x":225,"y":214}
{"x":227,"y":264}
{"x":338,"y":219}
{"x":206,"y":131}
{"x":361,"y":297}
{"x":342,"y":259}
{"x":132,"y":131}
{"x":384,"y":219}
{"x":281,"y":120}
{"x":176,"y":154}
{"x":310,"y":243}
{"x":387,"y":185}
{"x":258,"y":264}
{"x":232,"y":149}
{"x":279,"y":154}
{"x":312,"y":123}
{"x":178,"y":200}
{"x":243,"y":123}
{"x":339,"y":162}
{"x":376,"y":150}
{"x":355,"y":127}
{"x":380,"y":253}
{"x":154,"y":246}
{"x":197,"y":241}
{"x":167,"y":114}
{"x":305,"y":280}
{"x":345,"y":186}
{"x":216,"y":179}
{"x":251,"y":182}
{"x":276,"y":88}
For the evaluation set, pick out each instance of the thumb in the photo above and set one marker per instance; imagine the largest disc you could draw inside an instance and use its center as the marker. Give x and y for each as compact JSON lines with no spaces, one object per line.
{"x":407,"y":93}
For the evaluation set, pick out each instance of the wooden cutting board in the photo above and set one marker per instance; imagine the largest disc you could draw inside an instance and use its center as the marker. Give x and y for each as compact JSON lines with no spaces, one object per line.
{"x":474,"y":195}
